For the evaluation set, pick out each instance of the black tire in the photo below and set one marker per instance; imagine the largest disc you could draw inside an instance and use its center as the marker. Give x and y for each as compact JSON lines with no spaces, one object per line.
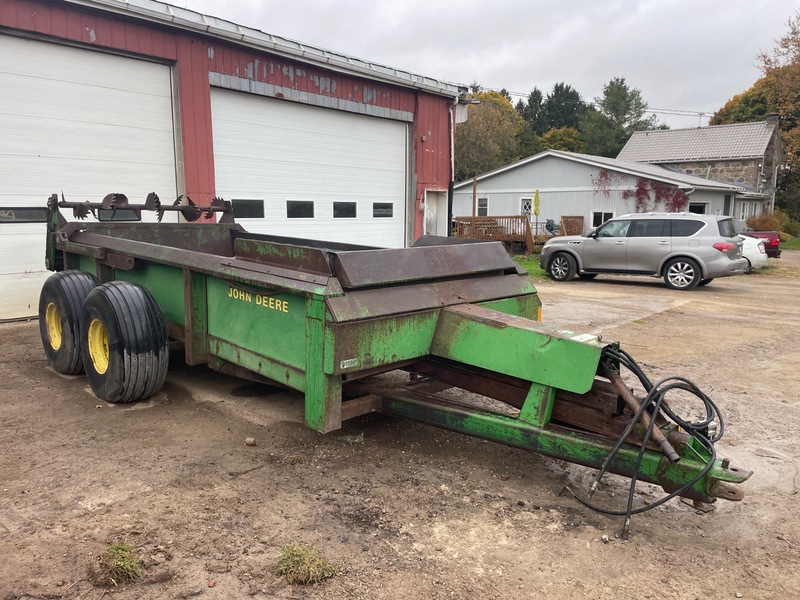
{"x":562,"y":267}
{"x":587,"y":276}
{"x":749,"y":268}
{"x":60,"y":303}
{"x":125,"y":342}
{"x":705,"y":281}
{"x":682,"y":274}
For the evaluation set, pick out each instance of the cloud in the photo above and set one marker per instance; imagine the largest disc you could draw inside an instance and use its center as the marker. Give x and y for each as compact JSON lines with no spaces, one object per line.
{"x":681,"y":54}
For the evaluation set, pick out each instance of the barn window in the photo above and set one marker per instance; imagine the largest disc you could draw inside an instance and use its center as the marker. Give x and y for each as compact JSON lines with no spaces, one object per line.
{"x":382,"y":209}
{"x":344,"y":210}
{"x":248,"y":209}
{"x":23,"y":215}
{"x":300,"y":209}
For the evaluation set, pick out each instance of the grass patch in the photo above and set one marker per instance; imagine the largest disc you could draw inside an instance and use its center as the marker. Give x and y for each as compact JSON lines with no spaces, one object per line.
{"x":117,"y":565}
{"x":531,"y":265}
{"x":792,"y":244}
{"x":303,"y":565}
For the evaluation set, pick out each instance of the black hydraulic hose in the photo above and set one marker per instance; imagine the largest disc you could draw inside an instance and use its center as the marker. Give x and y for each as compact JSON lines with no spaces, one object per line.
{"x":654,"y":402}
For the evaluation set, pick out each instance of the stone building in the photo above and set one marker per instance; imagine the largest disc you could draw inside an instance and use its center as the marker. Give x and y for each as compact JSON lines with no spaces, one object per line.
{"x":746,"y":155}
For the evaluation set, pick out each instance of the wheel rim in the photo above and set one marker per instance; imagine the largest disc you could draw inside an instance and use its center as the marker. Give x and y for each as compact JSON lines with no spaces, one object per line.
{"x":681,"y":274}
{"x":98,"y":346}
{"x":53,"y":321}
{"x":559,"y":267}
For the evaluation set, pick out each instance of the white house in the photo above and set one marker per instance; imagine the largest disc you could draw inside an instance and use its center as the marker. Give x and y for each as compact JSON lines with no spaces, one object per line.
{"x":592,"y":187}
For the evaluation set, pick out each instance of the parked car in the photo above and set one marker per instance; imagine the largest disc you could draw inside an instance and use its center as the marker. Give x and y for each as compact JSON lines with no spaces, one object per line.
{"x":753,"y":251}
{"x":772,"y":242}
{"x":686,"y":249}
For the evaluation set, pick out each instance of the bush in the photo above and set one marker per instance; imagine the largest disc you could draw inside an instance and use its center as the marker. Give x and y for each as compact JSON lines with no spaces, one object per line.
{"x":774,"y":221}
{"x":792,"y":228}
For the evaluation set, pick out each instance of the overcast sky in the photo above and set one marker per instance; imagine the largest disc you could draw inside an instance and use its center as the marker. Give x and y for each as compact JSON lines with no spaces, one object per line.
{"x":686,"y":55}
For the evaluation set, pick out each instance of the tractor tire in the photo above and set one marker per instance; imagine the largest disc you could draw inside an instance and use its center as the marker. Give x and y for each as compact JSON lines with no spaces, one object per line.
{"x":60,"y":303}
{"x":562,"y":267}
{"x":682,"y":274}
{"x":125,"y":342}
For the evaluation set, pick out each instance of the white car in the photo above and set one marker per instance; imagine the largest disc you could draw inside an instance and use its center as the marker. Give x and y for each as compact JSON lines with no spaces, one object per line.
{"x":753,"y":250}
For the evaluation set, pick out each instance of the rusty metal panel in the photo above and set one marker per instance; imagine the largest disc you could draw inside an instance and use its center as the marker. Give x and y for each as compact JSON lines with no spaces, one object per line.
{"x":385,"y":267}
{"x":301,"y":258}
{"x":366,"y":303}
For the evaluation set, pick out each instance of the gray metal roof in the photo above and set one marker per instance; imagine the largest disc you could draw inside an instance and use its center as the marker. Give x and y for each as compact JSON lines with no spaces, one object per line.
{"x":181,"y":18}
{"x":716,"y":142}
{"x":637,"y":169}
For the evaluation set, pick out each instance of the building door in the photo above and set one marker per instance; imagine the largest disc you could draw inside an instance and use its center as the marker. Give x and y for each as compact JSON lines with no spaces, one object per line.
{"x":316,"y":173}
{"x":79,"y":121}
{"x":436,"y":213}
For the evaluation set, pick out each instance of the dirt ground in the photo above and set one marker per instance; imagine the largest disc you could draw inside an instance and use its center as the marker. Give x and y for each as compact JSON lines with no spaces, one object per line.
{"x":402,"y":509}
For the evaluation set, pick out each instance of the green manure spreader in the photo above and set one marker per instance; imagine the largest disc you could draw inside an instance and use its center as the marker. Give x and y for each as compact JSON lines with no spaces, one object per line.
{"x":325,"y":318}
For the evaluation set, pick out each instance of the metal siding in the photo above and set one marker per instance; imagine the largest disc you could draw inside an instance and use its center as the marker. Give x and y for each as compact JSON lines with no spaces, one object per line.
{"x":190,"y":51}
{"x":565,"y":188}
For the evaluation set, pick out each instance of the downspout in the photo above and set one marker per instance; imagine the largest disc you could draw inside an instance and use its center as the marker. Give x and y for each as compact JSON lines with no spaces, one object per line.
{"x":452,"y":166}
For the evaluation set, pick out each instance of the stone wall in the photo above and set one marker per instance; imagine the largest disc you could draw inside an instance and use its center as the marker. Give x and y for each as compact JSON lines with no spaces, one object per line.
{"x":745,"y":173}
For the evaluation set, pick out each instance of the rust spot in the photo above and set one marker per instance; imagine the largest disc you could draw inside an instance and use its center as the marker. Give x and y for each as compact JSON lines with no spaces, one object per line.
{"x":279,"y":95}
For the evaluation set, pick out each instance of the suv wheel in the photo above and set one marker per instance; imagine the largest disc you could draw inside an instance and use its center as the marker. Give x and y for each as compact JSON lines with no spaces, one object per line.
{"x":681,"y":274}
{"x":562,"y":267}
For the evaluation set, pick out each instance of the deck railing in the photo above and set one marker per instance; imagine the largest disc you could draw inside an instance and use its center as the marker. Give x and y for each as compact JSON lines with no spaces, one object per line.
{"x":512,"y":229}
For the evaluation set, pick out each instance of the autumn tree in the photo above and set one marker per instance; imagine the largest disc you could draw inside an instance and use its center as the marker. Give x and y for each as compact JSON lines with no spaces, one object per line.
{"x":778,"y":91}
{"x":489,"y":138}
{"x":563,"y":138}
{"x":618,"y":113}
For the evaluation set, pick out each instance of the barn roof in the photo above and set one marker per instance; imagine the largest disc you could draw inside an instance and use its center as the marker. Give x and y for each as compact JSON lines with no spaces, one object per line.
{"x":189,"y":20}
{"x":717,"y":142}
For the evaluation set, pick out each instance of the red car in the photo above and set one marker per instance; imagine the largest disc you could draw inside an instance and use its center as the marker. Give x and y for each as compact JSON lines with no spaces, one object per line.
{"x":772,"y":241}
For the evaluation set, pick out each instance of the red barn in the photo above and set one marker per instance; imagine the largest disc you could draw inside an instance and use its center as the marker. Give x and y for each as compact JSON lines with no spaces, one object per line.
{"x":100,"y":96}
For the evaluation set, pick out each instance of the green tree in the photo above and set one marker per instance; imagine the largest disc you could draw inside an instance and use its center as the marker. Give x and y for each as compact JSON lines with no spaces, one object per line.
{"x":619,"y":112}
{"x":489,"y":138}
{"x":534,"y":112}
{"x":564,"y":107}
{"x":564,"y":138}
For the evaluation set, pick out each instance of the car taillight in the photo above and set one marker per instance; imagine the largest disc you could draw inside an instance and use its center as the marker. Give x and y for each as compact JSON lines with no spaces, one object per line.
{"x":761,"y":248}
{"x":774,"y":242}
{"x":724,"y":246}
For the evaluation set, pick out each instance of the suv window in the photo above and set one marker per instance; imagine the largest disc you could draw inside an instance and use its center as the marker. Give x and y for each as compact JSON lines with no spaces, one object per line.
{"x":685,"y":227}
{"x":614,"y":229}
{"x":726,"y":228}
{"x":650,"y":228}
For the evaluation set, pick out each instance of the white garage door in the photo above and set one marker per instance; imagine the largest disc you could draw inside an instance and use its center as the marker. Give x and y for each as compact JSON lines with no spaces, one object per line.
{"x":303,"y":171}
{"x":77,"y":121}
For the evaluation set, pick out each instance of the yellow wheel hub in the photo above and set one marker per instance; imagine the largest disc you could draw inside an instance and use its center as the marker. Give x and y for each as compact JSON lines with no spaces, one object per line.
{"x":53,"y":321}
{"x":98,"y":346}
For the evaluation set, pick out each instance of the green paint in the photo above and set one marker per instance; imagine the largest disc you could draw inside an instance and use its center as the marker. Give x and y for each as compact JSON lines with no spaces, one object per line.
{"x":538,"y":405}
{"x":528,"y":350}
{"x":272,"y":369}
{"x":523,"y":306}
{"x":373,"y":343}
{"x":269,"y":324}
{"x":164,"y":283}
{"x":323,"y":409}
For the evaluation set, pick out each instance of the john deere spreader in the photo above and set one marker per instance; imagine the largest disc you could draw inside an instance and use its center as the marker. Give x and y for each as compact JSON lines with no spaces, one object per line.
{"x":325,"y":318}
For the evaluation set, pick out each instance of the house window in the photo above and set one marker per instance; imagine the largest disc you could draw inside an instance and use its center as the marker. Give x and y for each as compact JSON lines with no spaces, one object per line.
{"x":698,"y":208}
{"x":344,"y":210}
{"x":526,"y":207}
{"x":248,"y":209}
{"x":598,"y":218}
{"x":747,"y":210}
{"x":23,"y":215}
{"x":483,"y":207}
{"x":382,"y":210}
{"x":300,"y":209}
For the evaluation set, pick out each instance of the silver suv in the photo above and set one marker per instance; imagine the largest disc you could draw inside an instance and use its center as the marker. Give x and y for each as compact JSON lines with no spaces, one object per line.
{"x":686,"y":249}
